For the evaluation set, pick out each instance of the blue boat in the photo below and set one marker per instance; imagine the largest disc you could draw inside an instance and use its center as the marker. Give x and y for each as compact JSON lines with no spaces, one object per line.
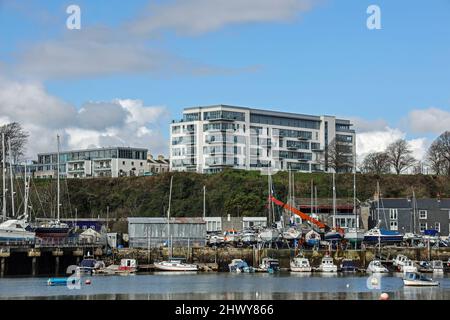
{"x":333,"y":236}
{"x":63,"y":281}
{"x":377,"y":235}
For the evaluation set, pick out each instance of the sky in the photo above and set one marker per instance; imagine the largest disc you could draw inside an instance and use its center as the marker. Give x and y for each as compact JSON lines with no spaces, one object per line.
{"x":134,"y":65}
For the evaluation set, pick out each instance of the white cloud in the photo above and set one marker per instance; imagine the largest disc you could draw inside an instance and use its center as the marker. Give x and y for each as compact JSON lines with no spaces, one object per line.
{"x":96,"y":124}
{"x":200,"y":16}
{"x":431,"y":120}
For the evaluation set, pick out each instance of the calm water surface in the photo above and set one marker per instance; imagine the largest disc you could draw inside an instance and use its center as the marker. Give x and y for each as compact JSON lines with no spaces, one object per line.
{"x":225,"y":286}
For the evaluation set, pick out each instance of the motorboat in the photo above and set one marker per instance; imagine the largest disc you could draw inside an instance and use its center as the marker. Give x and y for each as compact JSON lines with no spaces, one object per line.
{"x":268,"y":235}
{"x":231,"y":235}
{"x":417,"y":279}
{"x":327,"y":265}
{"x":312,"y":238}
{"x":399,"y":261}
{"x":269,"y":265}
{"x":239,"y":265}
{"x":375,"y":266}
{"x":52,"y":229}
{"x":300,"y":264}
{"x":437,"y":266}
{"x":425,"y":266}
{"x":175,"y":264}
{"x":15,"y":230}
{"x":348,"y":265}
{"x":215,"y":239}
{"x":89,"y":265}
{"x":292,"y":234}
{"x":377,"y":235}
{"x":248,"y":236}
{"x":409,"y":266}
{"x":128,"y":266}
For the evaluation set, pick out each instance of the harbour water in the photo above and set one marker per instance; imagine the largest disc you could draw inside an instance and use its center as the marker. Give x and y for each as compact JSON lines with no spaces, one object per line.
{"x":259,"y":286}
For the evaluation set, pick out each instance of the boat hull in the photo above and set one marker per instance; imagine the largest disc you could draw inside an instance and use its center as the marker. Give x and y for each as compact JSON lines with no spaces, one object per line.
{"x":44,"y":232}
{"x":418,"y":283}
{"x":164,"y":267}
{"x":383,"y":239}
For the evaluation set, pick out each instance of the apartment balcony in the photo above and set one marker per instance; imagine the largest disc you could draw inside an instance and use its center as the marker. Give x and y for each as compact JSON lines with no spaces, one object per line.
{"x":303,"y":138}
{"x":75,"y":170}
{"x":98,"y":168}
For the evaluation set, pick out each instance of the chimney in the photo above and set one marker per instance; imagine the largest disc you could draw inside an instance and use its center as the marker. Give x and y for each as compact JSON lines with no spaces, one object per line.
{"x":160,"y":157}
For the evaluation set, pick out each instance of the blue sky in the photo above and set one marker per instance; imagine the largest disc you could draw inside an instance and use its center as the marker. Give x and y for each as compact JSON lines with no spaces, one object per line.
{"x":319,"y":60}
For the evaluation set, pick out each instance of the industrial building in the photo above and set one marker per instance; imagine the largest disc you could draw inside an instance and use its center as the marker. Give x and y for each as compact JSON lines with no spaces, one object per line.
{"x":211,"y":138}
{"x":221,"y":224}
{"x":153,"y":232}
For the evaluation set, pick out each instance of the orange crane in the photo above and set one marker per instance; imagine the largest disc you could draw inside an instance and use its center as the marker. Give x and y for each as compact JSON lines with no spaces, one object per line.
{"x":302,"y":215}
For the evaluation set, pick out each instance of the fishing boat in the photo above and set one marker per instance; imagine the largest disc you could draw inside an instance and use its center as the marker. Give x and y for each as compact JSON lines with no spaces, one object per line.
{"x":437,"y":266}
{"x":327,"y":265}
{"x":127,"y":266}
{"x":375,"y":266}
{"x":300,"y":264}
{"x":15,"y":230}
{"x":312,"y":238}
{"x":239,"y":265}
{"x":175,"y":264}
{"x":292,"y":234}
{"x":269,"y":265}
{"x":417,"y":279}
{"x":348,"y":265}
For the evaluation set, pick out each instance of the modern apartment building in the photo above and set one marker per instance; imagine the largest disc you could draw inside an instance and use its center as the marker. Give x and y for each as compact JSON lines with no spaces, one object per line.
{"x":99,"y":162}
{"x":211,"y":138}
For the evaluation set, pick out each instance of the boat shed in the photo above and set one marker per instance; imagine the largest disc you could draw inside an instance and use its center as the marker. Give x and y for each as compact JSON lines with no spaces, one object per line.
{"x":152,"y":232}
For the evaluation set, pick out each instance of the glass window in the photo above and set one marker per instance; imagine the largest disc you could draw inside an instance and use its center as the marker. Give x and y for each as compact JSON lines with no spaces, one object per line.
{"x":394,"y":225}
{"x":191,"y":116}
{"x":423,"y":214}
{"x":393,"y":214}
{"x":437,"y":226}
{"x":344,"y":138}
{"x":423,"y":226}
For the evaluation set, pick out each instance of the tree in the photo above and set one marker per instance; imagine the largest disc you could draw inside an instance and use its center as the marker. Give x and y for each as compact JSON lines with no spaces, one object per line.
{"x":400,"y":155}
{"x":438,"y":154}
{"x":340,"y":156}
{"x":19,"y":138}
{"x":376,"y":163}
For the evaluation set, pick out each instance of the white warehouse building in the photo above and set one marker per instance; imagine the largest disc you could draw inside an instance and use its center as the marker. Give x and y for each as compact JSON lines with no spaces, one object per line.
{"x":211,"y":138}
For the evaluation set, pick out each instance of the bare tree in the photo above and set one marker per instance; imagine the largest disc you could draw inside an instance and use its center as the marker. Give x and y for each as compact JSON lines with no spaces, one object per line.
{"x":19,"y":138}
{"x":400,"y":155}
{"x":376,"y":163}
{"x":339,"y":156}
{"x":438,"y":154}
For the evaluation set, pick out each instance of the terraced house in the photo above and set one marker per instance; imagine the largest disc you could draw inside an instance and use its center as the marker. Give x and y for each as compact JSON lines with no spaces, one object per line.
{"x":211,"y":138}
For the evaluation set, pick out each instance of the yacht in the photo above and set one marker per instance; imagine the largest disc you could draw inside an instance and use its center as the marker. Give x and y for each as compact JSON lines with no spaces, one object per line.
{"x":300,"y":264}
{"x":327,"y":265}
{"x":175,"y":264}
{"x":268,"y":235}
{"x":292,"y":234}
{"x":377,"y":235}
{"x":15,"y":230}
{"x":348,"y":265}
{"x":375,"y":266}
{"x":248,"y":236}
{"x":416,"y":279}
{"x":89,"y":265}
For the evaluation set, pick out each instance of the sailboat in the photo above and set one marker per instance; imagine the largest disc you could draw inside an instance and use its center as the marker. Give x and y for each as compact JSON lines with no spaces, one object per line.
{"x":54,"y":228}
{"x":13,"y":230}
{"x":354,"y":235}
{"x":292,"y":232}
{"x":379,"y":235}
{"x":173,"y":264}
{"x":334,"y":234}
{"x":270,"y":233}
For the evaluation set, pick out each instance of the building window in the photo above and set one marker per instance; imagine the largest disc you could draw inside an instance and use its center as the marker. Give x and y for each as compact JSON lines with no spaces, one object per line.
{"x":437,"y":226}
{"x":393,"y":214}
{"x":394,"y":225}
{"x":123,"y":162}
{"x":423,"y":226}
{"x":422,"y":214}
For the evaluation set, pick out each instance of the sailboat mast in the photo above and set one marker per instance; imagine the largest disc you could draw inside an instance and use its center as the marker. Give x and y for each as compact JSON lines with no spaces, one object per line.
{"x":204,"y":202}
{"x":168,"y":219}
{"x":414,"y":212}
{"x":57,"y":170}
{"x":334,"y":202}
{"x":11,"y":177}
{"x":378,"y":202}
{"x":3,"y":177}
{"x":354,"y":202}
{"x":269,"y":205}
{"x":312,"y":196}
{"x":25,"y":205}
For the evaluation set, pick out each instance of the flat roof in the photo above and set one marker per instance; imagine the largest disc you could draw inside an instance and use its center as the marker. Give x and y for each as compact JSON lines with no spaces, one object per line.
{"x":93,"y":149}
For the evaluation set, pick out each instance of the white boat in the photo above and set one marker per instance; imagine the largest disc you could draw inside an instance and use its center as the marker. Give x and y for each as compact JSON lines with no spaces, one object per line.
{"x":248,"y":237}
{"x":416,"y":279}
{"x":375,"y":266}
{"x":292,"y":234}
{"x":269,"y":265}
{"x":215,"y":239}
{"x":327,"y":265}
{"x":267,"y":235}
{"x":239,"y":265}
{"x":437,"y":266}
{"x":399,"y":261}
{"x":354,"y":235}
{"x":15,"y":230}
{"x":300,"y":264}
{"x":89,"y":265}
{"x":175,"y":264}
{"x":408,"y":266}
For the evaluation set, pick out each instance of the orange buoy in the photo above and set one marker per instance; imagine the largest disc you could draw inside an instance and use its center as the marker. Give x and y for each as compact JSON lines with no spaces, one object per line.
{"x":88,"y":281}
{"x":384,"y":296}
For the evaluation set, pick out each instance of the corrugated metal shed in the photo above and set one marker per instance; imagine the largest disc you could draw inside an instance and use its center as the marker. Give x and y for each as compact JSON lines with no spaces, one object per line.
{"x":152,"y":232}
